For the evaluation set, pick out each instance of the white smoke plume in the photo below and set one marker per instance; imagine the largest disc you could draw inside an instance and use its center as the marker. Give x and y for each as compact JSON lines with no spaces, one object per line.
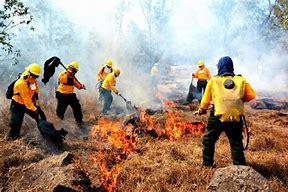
{"x":137,"y":34}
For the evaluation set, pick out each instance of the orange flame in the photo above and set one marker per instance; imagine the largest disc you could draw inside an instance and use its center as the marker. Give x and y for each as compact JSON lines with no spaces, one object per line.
{"x":122,"y":140}
{"x":108,"y":177}
{"x":172,"y":127}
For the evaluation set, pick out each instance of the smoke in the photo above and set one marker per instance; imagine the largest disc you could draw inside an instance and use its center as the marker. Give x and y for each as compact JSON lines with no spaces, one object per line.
{"x":212,"y":29}
{"x":137,"y":34}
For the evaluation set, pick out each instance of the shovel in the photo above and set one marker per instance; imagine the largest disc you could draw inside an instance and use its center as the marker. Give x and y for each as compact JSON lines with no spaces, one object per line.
{"x":129,"y":106}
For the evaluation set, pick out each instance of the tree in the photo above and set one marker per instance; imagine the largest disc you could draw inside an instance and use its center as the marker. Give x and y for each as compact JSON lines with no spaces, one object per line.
{"x":224,"y":10}
{"x":281,"y":13}
{"x":157,"y":14}
{"x":13,"y":15}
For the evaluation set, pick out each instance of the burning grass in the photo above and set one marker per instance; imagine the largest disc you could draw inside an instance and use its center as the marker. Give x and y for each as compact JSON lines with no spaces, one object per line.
{"x":153,"y":150}
{"x":122,"y":139}
{"x":174,"y":164}
{"x":169,"y":124}
{"x":121,"y":142}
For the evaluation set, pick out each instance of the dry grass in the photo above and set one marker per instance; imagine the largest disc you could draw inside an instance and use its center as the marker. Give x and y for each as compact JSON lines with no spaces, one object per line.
{"x":158,"y":164}
{"x":166,"y":166}
{"x":176,"y":166}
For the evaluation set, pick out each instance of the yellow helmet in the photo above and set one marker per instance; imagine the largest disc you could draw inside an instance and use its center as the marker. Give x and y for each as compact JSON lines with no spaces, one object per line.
{"x":117,"y":72}
{"x":34,"y":69}
{"x":200,"y":63}
{"x":74,"y":65}
{"x":109,"y":63}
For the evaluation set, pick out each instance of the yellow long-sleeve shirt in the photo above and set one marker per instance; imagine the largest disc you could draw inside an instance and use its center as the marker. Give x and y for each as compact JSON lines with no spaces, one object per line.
{"x":110,"y":83}
{"x":203,"y":74}
{"x":64,"y":87}
{"x":209,"y":94}
{"x":103,"y":72}
{"x":24,"y":90}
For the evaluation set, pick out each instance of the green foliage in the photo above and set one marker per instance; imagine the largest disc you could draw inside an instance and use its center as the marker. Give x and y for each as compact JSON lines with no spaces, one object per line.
{"x":12,"y":15}
{"x":281,"y":13}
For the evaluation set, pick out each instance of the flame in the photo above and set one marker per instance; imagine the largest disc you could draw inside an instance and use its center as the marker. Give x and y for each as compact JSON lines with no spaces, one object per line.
{"x":173,"y":127}
{"x":108,"y":177}
{"x":122,"y":142}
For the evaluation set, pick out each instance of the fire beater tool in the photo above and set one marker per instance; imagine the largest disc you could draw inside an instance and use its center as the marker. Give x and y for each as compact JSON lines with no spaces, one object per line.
{"x":49,"y":68}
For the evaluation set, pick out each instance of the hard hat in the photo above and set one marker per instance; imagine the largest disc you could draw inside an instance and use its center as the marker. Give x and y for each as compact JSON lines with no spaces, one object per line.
{"x":117,"y":72}
{"x":200,"y":63}
{"x":34,"y":69}
{"x":109,"y":63}
{"x":74,"y":65}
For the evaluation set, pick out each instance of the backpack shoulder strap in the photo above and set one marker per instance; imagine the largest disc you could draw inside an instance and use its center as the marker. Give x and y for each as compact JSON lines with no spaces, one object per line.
{"x":102,"y":70}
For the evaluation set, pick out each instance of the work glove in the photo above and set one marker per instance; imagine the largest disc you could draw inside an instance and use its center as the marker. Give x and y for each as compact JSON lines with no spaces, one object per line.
{"x":200,"y":111}
{"x":83,"y":86}
{"x":41,"y":113}
{"x":117,"y":92}
{"x":193,"y":75}
{"x":34,"y":115}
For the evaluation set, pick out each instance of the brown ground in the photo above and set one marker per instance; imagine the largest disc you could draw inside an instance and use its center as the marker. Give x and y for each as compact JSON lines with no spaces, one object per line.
{"x":157,"y":164}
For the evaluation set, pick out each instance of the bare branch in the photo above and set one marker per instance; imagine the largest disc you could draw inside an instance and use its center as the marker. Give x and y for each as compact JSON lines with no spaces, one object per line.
{"x":4,"y":29}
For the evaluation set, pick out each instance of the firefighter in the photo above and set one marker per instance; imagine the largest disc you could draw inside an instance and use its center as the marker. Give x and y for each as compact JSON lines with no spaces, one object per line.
{"x":101,"y":75}
{"x":154,"y":70}
{"x":108,"y":86}
{"x":203,"y":75}
{"x":65,"y":93}
{"x":227,"y":92}
{"x":25,"y":100}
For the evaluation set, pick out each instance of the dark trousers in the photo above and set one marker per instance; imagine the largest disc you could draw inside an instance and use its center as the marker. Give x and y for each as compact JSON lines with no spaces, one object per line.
{"x":201,"y":85}
{"x":16,"y":119}
{"x":65,"y":100}
{"x":233,"y":131}
{"x":108,"y":99}
{"x":100,"y":91}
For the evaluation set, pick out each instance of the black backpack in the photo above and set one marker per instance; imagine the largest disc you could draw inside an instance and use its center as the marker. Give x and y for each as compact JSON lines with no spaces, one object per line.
{"x":10,"y":89}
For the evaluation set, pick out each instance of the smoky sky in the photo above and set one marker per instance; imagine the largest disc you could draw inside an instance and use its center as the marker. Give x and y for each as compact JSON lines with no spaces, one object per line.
{"x":136,"y":34}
